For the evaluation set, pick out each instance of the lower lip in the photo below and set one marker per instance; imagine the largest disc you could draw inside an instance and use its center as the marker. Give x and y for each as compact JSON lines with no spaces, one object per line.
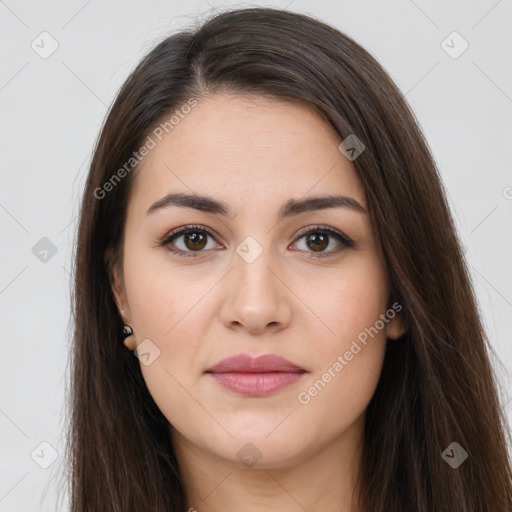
{"x":256,"y":384}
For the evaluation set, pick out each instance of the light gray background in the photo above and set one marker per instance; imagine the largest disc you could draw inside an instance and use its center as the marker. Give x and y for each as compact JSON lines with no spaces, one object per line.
{"x":52,"y":110}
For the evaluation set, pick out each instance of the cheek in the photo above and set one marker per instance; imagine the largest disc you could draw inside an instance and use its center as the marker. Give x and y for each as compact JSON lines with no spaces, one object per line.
{"x":160,"y":296}
{"x":352,"y":303}
{"x":169,"y":318}
{"x":337,"y":396}
{"x":167,"y":307}
{"x":346,"y":370}
{"x":349,"y":357}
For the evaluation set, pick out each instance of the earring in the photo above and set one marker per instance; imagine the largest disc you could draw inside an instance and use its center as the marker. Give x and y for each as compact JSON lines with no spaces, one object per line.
{"x":127,"y":330}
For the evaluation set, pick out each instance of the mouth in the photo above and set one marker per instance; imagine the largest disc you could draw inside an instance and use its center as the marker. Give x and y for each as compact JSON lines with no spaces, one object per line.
{"x":259,"y":376}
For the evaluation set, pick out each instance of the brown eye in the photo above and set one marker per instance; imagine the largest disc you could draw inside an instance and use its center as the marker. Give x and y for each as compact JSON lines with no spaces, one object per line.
{"x":318,"y":239}
{"x":194,"y":240}
{"x":189,"y":240}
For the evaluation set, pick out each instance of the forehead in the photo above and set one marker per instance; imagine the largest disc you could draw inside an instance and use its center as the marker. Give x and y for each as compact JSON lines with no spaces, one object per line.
{"x":247,"y":151}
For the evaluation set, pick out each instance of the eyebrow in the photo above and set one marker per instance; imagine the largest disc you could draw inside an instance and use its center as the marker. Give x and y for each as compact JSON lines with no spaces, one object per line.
{"x":288,"y":209}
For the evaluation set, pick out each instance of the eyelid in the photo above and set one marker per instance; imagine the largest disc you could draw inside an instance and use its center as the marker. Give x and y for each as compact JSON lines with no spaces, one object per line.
{"x":331,"y":231}
{"x":345,"y":241}
{"x":185,"y":229}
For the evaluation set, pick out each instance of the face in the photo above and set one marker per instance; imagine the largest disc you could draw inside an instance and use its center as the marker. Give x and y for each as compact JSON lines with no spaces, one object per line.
{"x":309,"y":286}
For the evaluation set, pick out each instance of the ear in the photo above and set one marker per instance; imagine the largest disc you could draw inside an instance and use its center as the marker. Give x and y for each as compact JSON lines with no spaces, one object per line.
{"x":396,"y":326}
{"x":116,"y":282}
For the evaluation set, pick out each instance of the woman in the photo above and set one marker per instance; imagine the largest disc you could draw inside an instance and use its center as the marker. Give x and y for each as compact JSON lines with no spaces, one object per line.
{"x":264,"y":228}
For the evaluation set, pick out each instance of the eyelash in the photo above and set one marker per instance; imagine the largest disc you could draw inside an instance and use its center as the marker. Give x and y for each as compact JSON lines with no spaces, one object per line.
{"x":344,"y":240}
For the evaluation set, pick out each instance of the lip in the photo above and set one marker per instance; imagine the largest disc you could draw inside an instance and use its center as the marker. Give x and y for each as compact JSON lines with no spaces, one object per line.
{"x":255,"y":376}
{"x":244,"y":363}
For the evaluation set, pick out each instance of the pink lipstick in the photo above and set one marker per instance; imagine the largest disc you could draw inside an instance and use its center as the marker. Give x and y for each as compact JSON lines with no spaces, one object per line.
{"x":255,"y":376}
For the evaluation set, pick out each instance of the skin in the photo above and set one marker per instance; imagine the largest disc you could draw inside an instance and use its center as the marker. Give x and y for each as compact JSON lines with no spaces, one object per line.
{"x":255,"y":154}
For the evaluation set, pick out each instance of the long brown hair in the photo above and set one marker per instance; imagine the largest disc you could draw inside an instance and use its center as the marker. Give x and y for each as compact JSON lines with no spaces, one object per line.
{"x":437,"y":385}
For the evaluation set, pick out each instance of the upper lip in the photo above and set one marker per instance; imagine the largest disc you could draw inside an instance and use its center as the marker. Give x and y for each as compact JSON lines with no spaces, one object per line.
{"x":248,"y":364}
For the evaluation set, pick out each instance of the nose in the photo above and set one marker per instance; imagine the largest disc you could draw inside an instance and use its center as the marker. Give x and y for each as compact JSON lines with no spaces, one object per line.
{"x":256,"y":298}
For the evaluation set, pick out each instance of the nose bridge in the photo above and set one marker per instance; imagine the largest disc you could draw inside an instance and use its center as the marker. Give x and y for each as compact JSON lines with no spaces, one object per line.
{"x":255,"y":264}
{"x":257,"y":295}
